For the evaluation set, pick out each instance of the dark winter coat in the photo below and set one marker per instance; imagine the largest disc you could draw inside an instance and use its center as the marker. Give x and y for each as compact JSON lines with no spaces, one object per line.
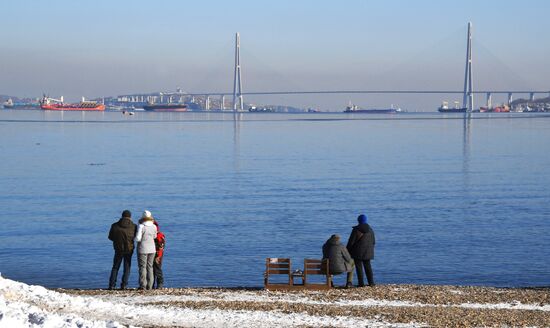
{"x":361,"y":242}
{"x":339,"y":260}
{"x":122,"y":234}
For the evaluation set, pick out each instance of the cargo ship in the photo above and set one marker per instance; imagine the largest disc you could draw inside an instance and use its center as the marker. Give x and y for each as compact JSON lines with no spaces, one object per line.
{"x":497,"y":109}
{"x":444,"y":108}
{"x":165,"y":107}
{"x":355,"y":109}
{"x":48,"y":103}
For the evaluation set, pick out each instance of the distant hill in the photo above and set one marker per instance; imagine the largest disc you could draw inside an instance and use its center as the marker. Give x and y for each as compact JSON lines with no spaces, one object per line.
{"x":536,"y":101}
{"x":5,"y":97}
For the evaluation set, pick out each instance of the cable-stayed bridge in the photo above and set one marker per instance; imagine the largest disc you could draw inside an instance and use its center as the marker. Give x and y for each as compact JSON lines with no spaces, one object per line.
{"x":237,"y":95}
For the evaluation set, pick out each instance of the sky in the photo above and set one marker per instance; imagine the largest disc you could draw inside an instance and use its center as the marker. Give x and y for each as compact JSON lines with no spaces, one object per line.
{"x":100,"y":48}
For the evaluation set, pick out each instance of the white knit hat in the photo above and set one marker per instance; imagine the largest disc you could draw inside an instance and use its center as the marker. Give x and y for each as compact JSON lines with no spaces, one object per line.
{"x":146,"y":215}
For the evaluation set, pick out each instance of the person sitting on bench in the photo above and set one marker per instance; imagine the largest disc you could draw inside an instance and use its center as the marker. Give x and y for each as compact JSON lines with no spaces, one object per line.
{"x":339,"y":259}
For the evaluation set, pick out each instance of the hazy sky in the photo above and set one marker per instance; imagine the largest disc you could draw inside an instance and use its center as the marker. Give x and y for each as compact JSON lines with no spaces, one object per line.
{"x":100,"y":48}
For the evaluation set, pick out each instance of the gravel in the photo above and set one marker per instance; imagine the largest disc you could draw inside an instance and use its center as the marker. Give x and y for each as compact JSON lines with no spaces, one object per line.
{"x":435,"y":306}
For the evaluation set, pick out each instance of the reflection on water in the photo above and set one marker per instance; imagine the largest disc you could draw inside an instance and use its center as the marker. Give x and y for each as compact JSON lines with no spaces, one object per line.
{"x":143,"y":116}
{"x":449,"y":206}
{"x":237,"y":118}
{"x":467,"y":131}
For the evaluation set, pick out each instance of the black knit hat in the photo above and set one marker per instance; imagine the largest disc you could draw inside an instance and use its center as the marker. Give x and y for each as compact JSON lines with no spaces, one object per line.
{"x":126,"y":214}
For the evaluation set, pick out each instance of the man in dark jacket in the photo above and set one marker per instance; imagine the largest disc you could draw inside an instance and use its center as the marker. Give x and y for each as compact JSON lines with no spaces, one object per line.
{"x":339,"y":260}
{"x":361,"y":247}
{"x":122,"y":234}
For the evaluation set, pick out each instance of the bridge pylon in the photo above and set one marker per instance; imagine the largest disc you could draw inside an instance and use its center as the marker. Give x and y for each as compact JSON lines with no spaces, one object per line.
{"x":468,"y":100}
{"x":237,"y":81}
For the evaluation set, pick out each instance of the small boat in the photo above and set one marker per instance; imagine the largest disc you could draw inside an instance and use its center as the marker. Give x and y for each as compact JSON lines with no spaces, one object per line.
{"x":171,"y":107}
{"x":48,"y":103}
{"x":260,"y":109}
{"x":355,"y":109}
{"x":444,"y":108}
{"x":10,"y":104}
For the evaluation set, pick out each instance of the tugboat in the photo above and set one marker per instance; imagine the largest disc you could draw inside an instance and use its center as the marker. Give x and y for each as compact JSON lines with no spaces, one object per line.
{"x":8,"y":104}
{"x":444,"y":108}
{"x":48,"y":103}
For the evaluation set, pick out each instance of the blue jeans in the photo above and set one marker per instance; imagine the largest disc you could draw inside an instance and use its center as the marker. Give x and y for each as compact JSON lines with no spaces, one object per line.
{"x":117,"y":260}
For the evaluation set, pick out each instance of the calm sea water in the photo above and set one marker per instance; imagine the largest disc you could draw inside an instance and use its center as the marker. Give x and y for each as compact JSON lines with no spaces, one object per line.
{"x":451,"y":202}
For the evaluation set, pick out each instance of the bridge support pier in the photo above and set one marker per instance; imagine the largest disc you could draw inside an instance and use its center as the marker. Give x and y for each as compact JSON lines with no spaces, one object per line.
{"x":207,"y":102}
{"x":222,"y":103}
{"x":510,"y":98}
{"x":532,"y":96}
{"x":489,"y":100}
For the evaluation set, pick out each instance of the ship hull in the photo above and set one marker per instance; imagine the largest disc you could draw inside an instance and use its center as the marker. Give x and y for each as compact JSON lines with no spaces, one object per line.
{"x":451,"y":110}
{"x":58,"y":107}
{"x":165,"y":108}
{"x":372,"y":111}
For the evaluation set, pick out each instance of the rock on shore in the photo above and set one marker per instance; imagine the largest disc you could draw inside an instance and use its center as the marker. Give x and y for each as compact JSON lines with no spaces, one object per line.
{"x":22,"y":305}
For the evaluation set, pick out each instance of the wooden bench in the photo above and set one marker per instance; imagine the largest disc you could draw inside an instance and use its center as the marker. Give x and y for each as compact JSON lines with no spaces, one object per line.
{"x":317,"y":267}
{"x":282,"y":266}
{"x":278,"y":266}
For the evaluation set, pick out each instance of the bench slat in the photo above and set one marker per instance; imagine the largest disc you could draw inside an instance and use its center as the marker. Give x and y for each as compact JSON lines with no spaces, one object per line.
{"x":278,"y":265}
{"x":313,"y":266}
{"x":273,"y":260}
{"x":278,"y":271}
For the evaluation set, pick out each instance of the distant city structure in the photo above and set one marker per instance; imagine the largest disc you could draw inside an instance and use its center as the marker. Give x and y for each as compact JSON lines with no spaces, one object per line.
{"x":181,"y":100}
{"x":217,"y":101}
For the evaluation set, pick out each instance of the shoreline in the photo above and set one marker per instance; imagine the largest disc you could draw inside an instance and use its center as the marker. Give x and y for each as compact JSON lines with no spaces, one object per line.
{"x":379,"y":306}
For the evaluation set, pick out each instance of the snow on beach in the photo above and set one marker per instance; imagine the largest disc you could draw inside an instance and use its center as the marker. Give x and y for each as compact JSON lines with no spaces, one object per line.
{"x":23,"y":305}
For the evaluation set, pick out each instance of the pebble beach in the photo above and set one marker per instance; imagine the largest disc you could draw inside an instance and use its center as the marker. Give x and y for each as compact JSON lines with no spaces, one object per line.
{"x":379,"y":306}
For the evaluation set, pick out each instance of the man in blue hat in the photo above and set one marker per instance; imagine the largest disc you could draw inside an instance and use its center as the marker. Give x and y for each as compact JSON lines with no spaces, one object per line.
{"x":361,"y":248}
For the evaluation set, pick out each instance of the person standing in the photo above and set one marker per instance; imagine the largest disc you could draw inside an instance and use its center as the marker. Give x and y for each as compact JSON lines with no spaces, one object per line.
{"x":339,"y":259}
{"x":145,"y":237}
{"x":160,"y":241}
{"x":361,"y":247}
{"x":122,"y":235}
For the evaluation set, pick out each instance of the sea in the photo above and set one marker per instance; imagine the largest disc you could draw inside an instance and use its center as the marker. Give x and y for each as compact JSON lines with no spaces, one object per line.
{"x":452,"y":201}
